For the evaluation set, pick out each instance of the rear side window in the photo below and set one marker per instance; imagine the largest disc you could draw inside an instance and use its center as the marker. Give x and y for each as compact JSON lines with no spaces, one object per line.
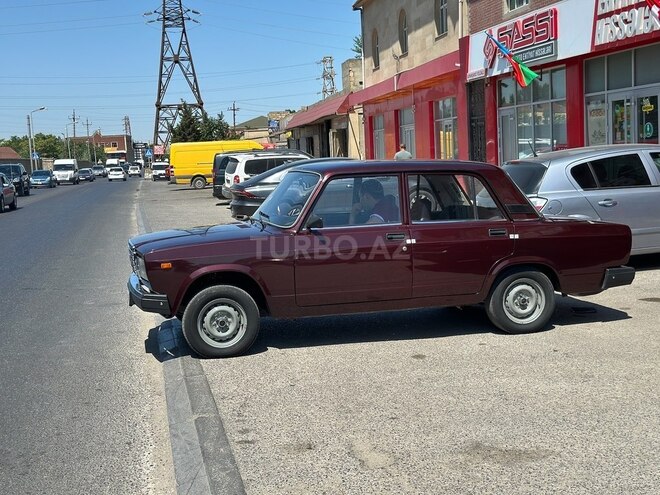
{"x":258,"y":166}
{"x":620,"y":171}
{"x":220,"y":163}
{"x":584,"y":177}
{"x":231,"y":166}
{"x":656,"y":159}
{"x":526,"y":175}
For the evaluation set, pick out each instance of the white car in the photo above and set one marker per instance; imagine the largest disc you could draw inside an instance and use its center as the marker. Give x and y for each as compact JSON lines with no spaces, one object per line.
{"x":116,"y":173}
{"x":134,"y":170}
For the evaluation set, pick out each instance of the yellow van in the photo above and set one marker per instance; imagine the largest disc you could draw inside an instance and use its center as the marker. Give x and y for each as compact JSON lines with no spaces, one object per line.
{"x":192,"y":163}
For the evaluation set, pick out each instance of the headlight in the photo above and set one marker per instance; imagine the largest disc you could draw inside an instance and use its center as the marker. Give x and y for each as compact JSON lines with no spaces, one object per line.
{"x":141,"y":268}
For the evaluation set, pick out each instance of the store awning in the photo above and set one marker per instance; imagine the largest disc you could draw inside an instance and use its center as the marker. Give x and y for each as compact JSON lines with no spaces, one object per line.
{"x":328,"y":108}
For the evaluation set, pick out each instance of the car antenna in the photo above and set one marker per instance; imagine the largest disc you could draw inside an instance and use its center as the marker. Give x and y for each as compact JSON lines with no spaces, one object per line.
{"x":529,"y":141}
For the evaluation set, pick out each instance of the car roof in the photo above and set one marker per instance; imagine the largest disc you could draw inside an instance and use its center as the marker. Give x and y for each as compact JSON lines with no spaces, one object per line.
{"x":585,"y":151}
{"x":341,"y":166}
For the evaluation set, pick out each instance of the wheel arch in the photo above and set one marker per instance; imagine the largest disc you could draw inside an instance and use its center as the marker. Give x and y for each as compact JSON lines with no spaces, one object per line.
{"x":525,"y":267}
{"x":237,"y":279}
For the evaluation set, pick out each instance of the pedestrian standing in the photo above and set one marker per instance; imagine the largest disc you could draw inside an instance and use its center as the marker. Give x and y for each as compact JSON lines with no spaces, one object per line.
{"x":403,"y":153}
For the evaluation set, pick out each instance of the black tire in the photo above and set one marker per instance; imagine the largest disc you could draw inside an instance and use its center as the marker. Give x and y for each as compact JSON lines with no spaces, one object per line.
{"x":14,"y":204}
{"x":2,"y":204}
{"x":198,"y":183}
{"x":234,"y":316}
{"x":26,"y":190}
{"x":124,"y":179}
{"x":521,"y":302}
{"x":109,"y":180}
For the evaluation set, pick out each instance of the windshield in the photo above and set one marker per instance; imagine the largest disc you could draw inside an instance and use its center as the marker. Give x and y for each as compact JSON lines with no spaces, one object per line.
{"x":97,"y":167}
{"x":284,"y":205}
{"x":62,"y":167}
{"x":41,"y":173}
{"x":159,"y":166}
{"x":526,"y":175}
{"x":116,"y":169}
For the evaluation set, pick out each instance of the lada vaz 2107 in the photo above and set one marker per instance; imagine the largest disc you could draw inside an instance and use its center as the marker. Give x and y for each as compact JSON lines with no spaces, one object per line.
{"x":347,"y":237}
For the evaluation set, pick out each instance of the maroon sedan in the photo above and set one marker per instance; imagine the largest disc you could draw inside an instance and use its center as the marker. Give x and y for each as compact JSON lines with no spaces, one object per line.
{"x":347,"y":237}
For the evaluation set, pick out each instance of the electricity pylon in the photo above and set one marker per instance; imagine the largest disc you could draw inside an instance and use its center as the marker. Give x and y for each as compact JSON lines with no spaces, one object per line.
{"x":174,"y":15}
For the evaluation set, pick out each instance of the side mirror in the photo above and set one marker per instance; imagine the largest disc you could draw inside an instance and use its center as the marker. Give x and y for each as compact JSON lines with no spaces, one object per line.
{"x":314,"y":222}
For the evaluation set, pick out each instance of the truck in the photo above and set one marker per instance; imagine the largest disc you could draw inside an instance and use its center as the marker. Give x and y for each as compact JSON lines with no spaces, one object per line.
{"x":192,"y":163}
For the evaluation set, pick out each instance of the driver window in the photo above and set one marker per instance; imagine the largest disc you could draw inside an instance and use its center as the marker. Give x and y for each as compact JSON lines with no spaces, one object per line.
{"x":359,"y":201}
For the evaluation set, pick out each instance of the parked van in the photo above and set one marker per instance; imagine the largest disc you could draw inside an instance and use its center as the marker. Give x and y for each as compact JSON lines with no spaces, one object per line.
{"x":192,"y":163}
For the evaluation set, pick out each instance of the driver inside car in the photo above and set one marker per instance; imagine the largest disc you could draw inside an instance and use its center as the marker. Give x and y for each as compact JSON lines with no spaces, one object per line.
{"x":374,"y":205}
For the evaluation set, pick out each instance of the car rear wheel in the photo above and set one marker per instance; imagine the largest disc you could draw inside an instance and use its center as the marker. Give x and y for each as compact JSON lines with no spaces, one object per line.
{"x":2,"y":204}
{"x":199,"y":183}
{"x":521,"y":302}
{"x":221,"y":321}
{"x":14,"y":204}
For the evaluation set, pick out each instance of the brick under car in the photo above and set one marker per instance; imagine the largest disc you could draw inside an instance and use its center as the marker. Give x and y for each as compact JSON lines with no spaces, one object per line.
{"x":428,"y":234}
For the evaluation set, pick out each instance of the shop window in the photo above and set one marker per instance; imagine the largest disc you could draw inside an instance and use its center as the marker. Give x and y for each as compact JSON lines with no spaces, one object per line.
{"x":407,"y":129}
{"x":558,"y":78}
{"x":375,"y":49}
{"x":441,"y":17}
{"x":594,"y":74}
{"x":542,"y":128}
{"x":507,"y":92}
{"x":523,"y":95}
{"x":525,"y":131}
{"x":559,"y":134}
{"x":446,"y":135}
{"x":516,"y":4}
{"x":541,"y":88}
{"x":619,"y":70}
{"x":647,"y":68}
{"x":379,"y":137}
{"x":403,"y":32}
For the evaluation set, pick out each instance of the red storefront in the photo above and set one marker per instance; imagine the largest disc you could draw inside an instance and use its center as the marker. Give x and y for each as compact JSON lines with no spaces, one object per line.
{"x":599,"y":67}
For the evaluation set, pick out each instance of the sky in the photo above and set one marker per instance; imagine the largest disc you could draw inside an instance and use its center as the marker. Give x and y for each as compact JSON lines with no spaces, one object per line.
{"x":101,"y":60}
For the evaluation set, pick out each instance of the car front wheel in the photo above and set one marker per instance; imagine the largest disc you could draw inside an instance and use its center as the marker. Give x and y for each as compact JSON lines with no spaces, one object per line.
{"x":521,"y":302}
{"x":14,"y":204}
{"x":221,"y":321}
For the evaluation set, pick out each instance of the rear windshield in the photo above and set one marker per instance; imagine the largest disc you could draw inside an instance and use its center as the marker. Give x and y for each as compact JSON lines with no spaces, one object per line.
{"x":98,"y":167}
{"x":231,"y":166}
{"x":220,"y":163}
{"x":160,"y":166}
{"x":10,"y":169}
{"x":526,"y":175}
{"x":116,"y":169}
{"x":62,"y":167}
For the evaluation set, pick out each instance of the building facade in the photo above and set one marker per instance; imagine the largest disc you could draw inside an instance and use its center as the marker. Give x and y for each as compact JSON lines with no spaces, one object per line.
{"x":435,"y":81}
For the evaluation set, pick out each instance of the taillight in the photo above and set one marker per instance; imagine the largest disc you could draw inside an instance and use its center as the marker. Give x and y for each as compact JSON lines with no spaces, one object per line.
{"x":237,"y":179}
{"x":243,"y":193}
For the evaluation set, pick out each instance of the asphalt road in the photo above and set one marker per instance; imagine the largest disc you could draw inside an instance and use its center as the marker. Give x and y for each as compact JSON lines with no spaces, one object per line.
{"x":437,"y":401}
{"x":81,"y":403}
{"x":412,"y":402}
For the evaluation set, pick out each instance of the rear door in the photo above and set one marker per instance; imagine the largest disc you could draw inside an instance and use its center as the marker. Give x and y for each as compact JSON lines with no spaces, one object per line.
{"x":455,"y":240}
{"x":628,"y":192}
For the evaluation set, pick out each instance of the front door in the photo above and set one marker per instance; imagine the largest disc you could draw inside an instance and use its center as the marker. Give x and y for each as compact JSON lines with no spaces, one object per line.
{"x":508,"y":135}
{"x":621,"y":118}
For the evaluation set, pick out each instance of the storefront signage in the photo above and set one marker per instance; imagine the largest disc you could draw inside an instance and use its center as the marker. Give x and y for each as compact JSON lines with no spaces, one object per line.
{"x":540,"y":36}
{"x":647,"y":106}
{"x":530,"y":38}
{"x":618,"y":22}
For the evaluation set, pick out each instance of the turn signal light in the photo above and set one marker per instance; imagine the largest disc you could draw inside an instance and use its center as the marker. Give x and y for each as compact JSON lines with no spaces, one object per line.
{"x":166,"y":266}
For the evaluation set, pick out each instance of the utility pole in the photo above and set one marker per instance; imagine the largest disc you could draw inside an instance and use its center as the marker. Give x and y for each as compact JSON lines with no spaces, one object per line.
{"x":74,"y":121}
{"x":127,"y":126}
{"x":233,"y":109}
{"x":89,"y":153}
{"x":175,"y":54}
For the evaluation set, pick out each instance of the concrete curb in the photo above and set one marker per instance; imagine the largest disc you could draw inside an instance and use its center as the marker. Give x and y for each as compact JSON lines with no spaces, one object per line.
{"x":204,"y":463}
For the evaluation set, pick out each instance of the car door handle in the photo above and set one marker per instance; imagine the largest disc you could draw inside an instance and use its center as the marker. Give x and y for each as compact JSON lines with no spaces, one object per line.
{"x":497,"y":232}
{"x":395,"y":237}
{"x":608,"y":203}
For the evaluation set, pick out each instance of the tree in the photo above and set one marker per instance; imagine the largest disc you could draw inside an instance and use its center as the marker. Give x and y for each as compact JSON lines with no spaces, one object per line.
{"x":192,"y":128}
{"x":188,"y":129}
{"x":357,"y":46}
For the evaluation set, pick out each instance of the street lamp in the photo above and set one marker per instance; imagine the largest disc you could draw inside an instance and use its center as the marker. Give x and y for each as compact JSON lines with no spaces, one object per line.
{"x":31,"y":145}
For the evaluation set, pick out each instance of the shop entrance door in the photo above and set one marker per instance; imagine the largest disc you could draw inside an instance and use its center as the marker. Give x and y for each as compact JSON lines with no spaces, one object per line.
{"x":646,"y":112}
{"x":508,"y":135}
{"x":621,"y":116}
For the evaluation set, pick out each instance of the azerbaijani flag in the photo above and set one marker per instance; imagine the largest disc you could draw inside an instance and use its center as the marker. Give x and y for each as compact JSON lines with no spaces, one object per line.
{"x":524,"y":75}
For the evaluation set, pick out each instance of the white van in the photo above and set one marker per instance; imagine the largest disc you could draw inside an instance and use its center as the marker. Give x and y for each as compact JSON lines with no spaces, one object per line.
{"x":66,"y":170}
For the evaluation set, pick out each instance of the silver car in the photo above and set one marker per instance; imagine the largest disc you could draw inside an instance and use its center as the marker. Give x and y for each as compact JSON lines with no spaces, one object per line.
{"x":614,"y":183}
